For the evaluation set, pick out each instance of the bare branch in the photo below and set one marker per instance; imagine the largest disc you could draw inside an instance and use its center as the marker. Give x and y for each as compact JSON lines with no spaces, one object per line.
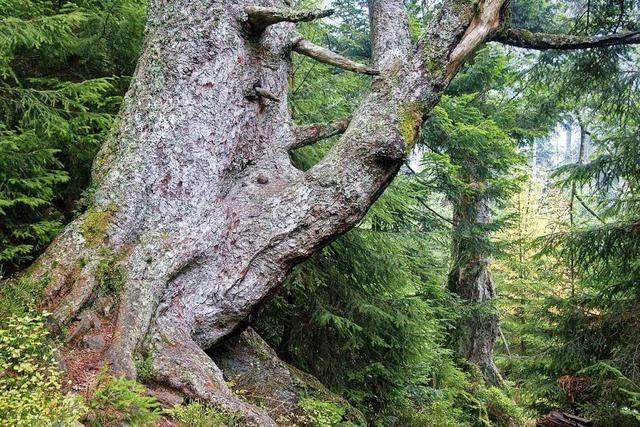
{"x":591,"y":211}
{"x":264,"y":93}
{"x":545,"y":41}
{"x":310,"y":134}
{"x":483,"y":24}
{"x":324,"y":55}
{"x":261,"y":17}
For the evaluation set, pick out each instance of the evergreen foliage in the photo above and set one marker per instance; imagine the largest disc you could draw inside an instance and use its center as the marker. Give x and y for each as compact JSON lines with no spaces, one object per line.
{"x":62,"y":77}
{"x":374,"y":299}
{"x":572,"y":329}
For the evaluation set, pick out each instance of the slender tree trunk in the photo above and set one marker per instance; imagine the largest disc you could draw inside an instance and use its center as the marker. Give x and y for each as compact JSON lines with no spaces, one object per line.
{"x":574,"y":193}
{"x":198,"y":214}
{"x":470,"y":278}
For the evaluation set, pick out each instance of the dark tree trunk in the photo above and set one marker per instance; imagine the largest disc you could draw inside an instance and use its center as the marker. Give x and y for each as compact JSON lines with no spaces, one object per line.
{"x":198,"y":214}
{"x":470,"y":278}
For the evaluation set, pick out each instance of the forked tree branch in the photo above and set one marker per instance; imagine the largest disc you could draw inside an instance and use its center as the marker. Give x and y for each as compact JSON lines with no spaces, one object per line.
{"x":310,"y":134}
{"x":261,"y":17}
{"x":545,"y":41}
{"x":324,"y":55}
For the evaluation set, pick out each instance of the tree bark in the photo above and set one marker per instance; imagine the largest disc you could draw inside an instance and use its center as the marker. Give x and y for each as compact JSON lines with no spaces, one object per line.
{"x":198,"y":214}
{"x":470,"y":278}
{"x":249,"y":362}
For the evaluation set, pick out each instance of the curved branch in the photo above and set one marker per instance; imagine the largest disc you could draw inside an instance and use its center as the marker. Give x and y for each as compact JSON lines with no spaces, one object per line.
{"x":261,"y":17}
{"x":324,"y":55}
{"x":544,"y":41}
{"x":310,"y":134}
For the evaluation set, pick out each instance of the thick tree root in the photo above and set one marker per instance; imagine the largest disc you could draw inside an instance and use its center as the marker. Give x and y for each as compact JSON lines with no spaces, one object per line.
{"x":253,"y":366}
{"x":68,"y":268}
{"x":491,"y":373}
{"x":179,"y":364}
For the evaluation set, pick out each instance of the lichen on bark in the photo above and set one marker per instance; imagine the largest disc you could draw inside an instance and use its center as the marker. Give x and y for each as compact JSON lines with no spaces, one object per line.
{"x":410,"y":122}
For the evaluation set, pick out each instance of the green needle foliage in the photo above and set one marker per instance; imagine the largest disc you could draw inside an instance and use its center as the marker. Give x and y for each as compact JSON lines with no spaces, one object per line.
{"x":62,"y":77}
{"x":374,"y":300}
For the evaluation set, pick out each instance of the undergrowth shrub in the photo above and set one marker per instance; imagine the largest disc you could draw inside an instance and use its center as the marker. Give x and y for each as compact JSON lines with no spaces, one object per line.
{"x":18,"y":298}
{"x":457,"y":398}
{"x":30,"y":388}
{"x":609,"y":396}
{"x":320,"y":413}
{"x":117,"y":401}
{"x":197,"y":414}
{"x":31,"y":391}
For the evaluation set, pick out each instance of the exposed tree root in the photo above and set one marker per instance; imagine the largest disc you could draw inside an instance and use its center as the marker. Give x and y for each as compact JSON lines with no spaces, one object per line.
{"x":68,"y":267}
{"x":249,"y":362}
{"x":178,"y":363}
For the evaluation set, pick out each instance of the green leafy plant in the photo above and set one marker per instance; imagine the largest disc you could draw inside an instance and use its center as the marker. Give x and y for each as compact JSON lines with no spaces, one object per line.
{"x":197,"y":414}
{"x":324,"y":414}
{"x":117,"y":401}
{"x":30,"y":388}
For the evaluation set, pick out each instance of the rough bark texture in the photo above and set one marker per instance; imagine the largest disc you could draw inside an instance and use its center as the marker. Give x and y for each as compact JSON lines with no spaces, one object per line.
{"x":310,"y":134}
{"x":198,"y":214}
{"x":470,"y":278}
{"x":321,"y":54}
{"x":261,"y":17}
{"x":254,"y":367}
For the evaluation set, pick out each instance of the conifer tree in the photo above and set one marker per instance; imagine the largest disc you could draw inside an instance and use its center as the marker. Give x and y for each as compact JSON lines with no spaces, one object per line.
{"x":61,"y":85}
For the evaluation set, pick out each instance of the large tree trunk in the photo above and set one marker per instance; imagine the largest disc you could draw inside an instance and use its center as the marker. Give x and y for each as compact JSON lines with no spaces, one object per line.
{"x":470,"y":278}
{"x":198,"y":214}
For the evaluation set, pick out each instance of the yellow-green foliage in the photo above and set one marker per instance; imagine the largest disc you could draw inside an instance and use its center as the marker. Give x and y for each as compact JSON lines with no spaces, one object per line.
{"x":18,"y":297}
{"x":461,"y":399}
{"x":118,"y":401}
{"x":95,"y":224}
{"x":197,"y":414}
{"x":321,"y":413}
{"x":30,"y":390}
{"x":144,"y":366}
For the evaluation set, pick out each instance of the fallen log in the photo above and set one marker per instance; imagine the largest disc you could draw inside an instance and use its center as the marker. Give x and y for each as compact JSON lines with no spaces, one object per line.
{"x":562,"y":419}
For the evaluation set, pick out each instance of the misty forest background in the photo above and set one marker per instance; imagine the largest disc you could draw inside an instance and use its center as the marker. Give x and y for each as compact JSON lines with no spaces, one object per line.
{"x":550,"y":139}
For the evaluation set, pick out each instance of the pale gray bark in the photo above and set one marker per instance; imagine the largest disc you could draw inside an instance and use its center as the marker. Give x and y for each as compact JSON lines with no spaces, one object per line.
{"x":310,"y":134}
{"x":470,"y":278}
{"x":261,"y":17}
{"x":544,"y":41}
{"x":198,"y":213}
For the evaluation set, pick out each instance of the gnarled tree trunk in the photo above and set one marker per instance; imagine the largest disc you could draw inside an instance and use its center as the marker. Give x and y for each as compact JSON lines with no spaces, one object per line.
{"x":198,"y":214}
{"x":470,"y":278}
